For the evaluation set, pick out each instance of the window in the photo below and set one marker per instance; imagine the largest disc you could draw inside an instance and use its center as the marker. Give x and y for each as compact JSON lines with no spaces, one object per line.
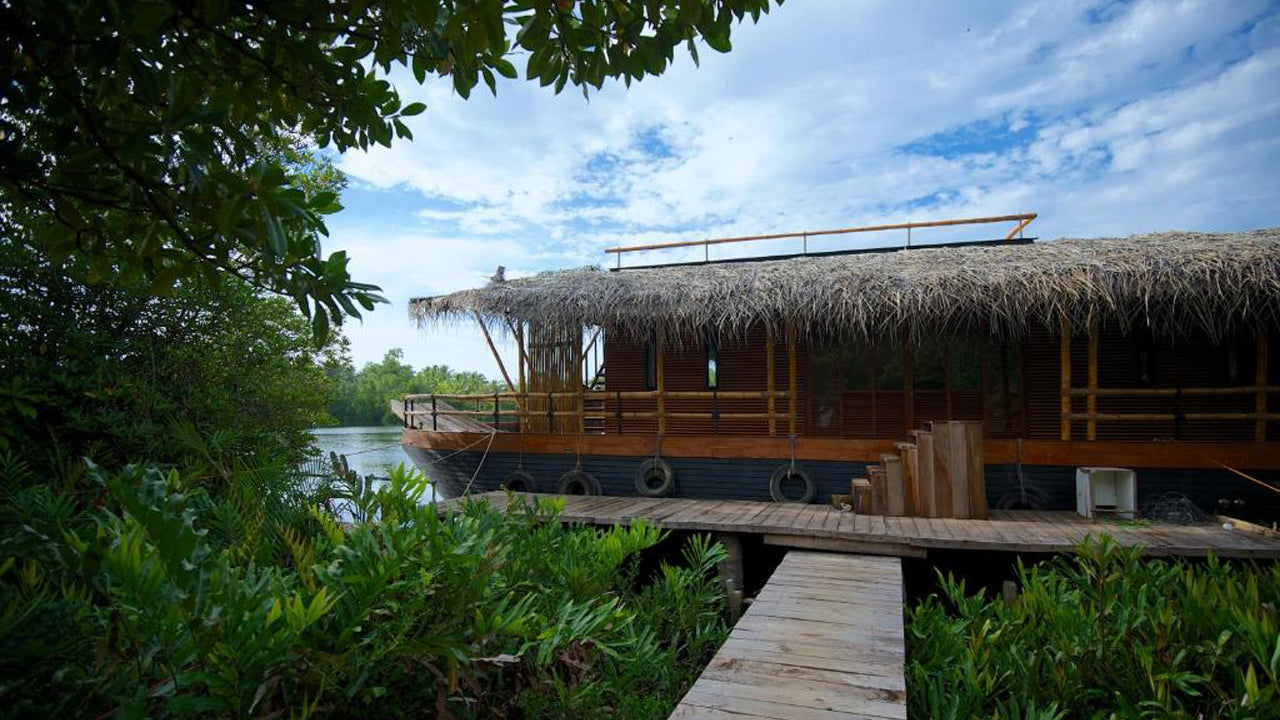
{"x":651,"y":363}
{"x":712,"y":345}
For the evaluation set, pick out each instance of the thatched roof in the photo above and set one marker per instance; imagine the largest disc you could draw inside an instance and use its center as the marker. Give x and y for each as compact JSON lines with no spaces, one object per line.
{"x":1172,"y":281}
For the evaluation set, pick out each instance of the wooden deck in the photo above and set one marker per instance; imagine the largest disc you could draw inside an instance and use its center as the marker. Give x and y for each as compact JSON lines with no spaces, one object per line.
{"x":824,"y":528}
{"x":822,"y":641}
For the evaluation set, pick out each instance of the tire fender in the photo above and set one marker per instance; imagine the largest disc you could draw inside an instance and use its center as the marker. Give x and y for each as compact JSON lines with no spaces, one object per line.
{"x":578,"y":482}
{"x":789,"y":471}
{"x":655,"y":478}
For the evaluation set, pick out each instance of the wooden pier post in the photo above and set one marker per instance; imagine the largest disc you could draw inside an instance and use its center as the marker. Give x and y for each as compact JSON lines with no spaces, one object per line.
{"x":731,"y":572}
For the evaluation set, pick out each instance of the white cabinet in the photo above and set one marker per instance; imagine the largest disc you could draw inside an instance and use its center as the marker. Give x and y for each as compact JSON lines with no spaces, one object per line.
{"x":1106,"y":491}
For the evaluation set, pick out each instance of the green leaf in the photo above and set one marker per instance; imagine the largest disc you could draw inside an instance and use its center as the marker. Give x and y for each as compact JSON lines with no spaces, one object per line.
{"x":505,"y":68}
{"x":413,"y":108}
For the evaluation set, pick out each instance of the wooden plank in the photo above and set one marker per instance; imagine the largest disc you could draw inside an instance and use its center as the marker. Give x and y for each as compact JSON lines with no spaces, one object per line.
{"x":910,"y":455}
{"x":808,"y":526}
{"x":975,"y":470}
{"x":869,"y":547}
{"x":895,"y":494}
{"x":823,"y":641}
{"x":956,"y":453}
{"x":927,"y":482}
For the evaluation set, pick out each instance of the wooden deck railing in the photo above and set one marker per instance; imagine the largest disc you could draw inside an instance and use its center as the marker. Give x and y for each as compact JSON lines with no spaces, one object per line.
{"x":1022,"y":221}
{"x":1259,"y":390}
{"x":513,"y":411}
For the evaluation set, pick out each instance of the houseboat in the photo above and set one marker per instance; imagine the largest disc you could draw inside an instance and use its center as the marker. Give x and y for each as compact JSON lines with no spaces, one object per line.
{"x":786,"y":377}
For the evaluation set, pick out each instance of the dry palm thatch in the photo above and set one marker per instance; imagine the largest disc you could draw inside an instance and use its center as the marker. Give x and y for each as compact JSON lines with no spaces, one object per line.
{"x":1171,"y":282}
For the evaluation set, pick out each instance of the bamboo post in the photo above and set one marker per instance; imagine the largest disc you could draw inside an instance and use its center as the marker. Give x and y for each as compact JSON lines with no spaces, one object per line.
{"x":1091,"y":425}
{"x":770,"y":382}
{"x":662,"y":385}
{"x":1064,"y":362}
{"x":791,"y":378}
{"x":579,"y":362}
{"x":1260,"y":380}
{"x":494,"y":349}
{"x":521,"y":359}
{"x":908,"y":385}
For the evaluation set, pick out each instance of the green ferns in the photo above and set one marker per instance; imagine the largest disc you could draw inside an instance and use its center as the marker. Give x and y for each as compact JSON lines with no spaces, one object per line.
{"x":157,"y":598}
{"x":1106,"y":634}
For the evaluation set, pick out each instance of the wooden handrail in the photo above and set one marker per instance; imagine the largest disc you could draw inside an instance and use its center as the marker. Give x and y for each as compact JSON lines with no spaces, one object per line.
{"x":610,"y":395}
{"x":1023,"y":220}
{"x":499,"y":414}
{"x":1170,"y":392}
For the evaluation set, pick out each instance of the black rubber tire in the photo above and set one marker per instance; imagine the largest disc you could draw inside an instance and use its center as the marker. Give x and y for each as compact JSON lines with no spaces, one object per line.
{"x":520,"y":481}
{"x":789,"y":471}
{"x":578,"y":482}
{"x":655,"y":469}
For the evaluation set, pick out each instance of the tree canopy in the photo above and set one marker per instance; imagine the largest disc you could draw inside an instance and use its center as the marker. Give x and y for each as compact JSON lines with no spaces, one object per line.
{"x":149,"y":135}
{"x":360,"y":396}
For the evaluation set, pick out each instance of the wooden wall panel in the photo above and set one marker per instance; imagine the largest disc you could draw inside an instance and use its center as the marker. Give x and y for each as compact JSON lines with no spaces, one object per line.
{"x":1190,"y":361}
{"x":741,"y":368}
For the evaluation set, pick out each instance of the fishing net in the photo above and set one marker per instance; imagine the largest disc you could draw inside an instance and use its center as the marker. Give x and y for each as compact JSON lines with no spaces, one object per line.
{"x":1172,"y":507}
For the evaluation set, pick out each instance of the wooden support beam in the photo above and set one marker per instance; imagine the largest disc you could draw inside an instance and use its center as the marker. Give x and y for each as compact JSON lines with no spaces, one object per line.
{"x":791,"y":377}
{"x":494,"y":349}
{"x":770,"y":381}
{"x":908,"y":386}
{"x":660,"y":351}
{"x":1064,"y":363}
{"x":1260,"y":380}
{"x":1024,"y":222}
{"x":521,"y":358}
{"x":579,"y":361}
{"x":1091,"y":425}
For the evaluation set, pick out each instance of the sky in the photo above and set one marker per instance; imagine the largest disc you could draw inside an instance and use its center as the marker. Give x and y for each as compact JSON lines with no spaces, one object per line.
{"x":1106,"y":118}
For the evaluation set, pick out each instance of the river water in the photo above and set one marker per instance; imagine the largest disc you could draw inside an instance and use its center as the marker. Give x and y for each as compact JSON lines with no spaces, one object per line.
{"x":369,"y":450}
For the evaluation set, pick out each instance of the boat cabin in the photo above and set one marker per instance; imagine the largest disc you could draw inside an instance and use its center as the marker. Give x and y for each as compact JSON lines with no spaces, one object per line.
{"x":714,"y":379}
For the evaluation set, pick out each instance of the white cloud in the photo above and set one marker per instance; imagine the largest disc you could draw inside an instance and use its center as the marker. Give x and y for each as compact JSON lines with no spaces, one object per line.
{"x":1129,"y":117}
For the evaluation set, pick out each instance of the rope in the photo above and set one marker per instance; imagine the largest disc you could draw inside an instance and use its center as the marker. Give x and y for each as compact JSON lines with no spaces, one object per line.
{"x":479,"y":465}
{"x":793,"y":453}
{"x":461,"y":449}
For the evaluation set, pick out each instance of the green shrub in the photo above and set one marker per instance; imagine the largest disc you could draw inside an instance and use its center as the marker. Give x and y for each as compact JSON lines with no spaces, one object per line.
{"x":160,"y":596}
{"x":1105,"y":634}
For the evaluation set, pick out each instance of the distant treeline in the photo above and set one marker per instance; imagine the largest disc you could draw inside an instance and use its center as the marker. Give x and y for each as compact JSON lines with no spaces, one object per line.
{"x":360,"y":396}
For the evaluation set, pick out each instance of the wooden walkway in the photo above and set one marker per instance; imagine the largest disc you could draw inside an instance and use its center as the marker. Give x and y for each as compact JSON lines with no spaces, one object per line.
{"x":823,"y":527}
{"x":822,"y":641}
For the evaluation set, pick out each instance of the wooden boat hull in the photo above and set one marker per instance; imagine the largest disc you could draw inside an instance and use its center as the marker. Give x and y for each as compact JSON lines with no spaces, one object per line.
{"x":1008,"y":485}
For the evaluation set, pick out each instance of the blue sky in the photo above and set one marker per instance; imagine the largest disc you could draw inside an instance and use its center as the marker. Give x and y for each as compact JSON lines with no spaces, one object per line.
{"x":1106,"y":118}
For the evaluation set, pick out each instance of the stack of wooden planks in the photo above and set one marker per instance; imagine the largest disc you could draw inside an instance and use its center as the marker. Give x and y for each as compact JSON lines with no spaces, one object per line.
{"x":939,"y":474}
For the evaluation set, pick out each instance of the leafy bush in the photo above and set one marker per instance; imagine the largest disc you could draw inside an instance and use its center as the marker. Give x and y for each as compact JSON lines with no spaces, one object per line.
{"x":113,"y":372}
{"x":159,"y":595}
{"x":1105,"y":634}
